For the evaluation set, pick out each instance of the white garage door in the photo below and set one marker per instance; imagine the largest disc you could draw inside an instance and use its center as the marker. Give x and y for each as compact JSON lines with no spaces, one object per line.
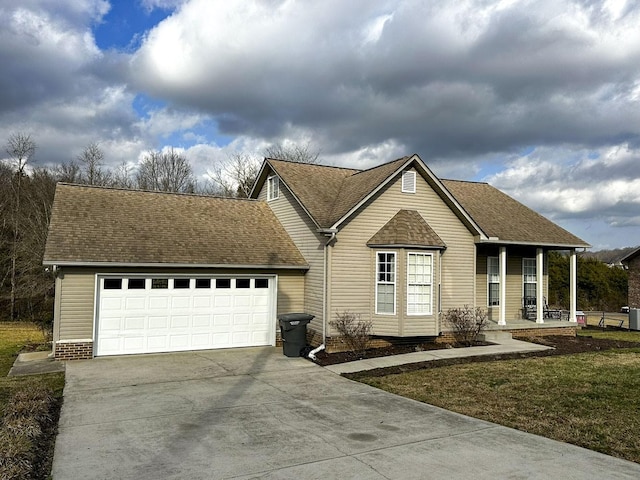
{"x":169,"y":313}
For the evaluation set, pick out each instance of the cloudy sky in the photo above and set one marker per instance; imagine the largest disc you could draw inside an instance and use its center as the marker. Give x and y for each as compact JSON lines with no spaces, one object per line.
{"x":540,"y":98}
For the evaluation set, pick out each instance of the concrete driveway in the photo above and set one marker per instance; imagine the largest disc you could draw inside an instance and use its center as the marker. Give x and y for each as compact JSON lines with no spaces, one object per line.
{"x":253,"y":413}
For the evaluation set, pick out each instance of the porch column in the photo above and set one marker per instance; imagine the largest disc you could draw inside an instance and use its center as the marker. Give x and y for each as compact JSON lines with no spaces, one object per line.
{"x":573,"y":285}
{"x":539,"y":286}
{"x":502,"y":319}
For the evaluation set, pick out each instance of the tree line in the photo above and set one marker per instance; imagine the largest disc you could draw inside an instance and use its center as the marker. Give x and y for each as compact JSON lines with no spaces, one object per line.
{"x":26,"y":197}
{"x":600,"y":287}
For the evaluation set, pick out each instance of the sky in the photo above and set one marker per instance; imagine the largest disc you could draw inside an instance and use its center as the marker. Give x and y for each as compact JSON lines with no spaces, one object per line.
{"x":540,"y":98}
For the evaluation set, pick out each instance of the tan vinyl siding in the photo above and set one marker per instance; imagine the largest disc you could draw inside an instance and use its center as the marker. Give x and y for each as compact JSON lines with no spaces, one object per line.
{"x":353,"y":283}
{"x":310,"y":243}
{"x":514,"y":290}
{"x":77,"y":289}
{"x":482,"y":289}
{"x":514,"y":285}
{"x":290,"y":292}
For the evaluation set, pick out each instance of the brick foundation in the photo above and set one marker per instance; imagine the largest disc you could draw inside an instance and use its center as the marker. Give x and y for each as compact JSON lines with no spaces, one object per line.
{"x":336,"y":344}
{"x":73,"y":350}
{"x":544,"y":332}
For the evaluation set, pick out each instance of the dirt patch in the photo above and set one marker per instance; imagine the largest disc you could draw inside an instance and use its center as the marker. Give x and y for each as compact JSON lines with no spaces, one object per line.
{"x":562,"y":345}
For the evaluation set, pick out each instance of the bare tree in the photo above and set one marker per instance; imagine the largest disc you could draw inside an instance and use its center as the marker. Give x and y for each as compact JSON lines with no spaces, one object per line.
{"x":68,"y":172}
{"x":91,"y":162}
{"x":167,"y":171}
{"x":122,"y":176}
{"x":20,"y":147}
{"x":35,"y":286}
{"x":236,"y":177}
{"x":301,"y":153}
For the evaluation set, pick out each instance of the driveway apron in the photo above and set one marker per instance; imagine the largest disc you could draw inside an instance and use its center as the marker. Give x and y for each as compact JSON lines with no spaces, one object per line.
{"x":253,"y":413}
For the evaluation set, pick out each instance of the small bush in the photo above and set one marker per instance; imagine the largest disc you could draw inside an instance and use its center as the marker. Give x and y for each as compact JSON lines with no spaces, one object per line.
{"x":466,"y":323}
{"x":355,"y":332}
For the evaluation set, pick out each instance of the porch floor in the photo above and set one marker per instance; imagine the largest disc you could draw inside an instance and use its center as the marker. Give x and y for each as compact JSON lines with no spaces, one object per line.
{"x":523,"y":324}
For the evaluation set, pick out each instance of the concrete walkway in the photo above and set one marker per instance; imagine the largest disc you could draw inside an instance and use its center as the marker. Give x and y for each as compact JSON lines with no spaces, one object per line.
{"x":35,"y":363}
{"x":502,"y":345}
{"x":253,"y":413}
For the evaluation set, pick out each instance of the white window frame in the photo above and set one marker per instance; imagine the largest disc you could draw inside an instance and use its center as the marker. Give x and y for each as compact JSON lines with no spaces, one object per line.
{"x":429,"y":311}
{"x":409,"y":181}
{"x":495,"y":276}
{"x":527,"y":276}
{"x":393,"y":282}
{"x":273,"y":187}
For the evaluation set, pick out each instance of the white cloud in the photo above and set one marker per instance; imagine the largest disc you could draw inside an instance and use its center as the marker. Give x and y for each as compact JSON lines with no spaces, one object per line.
{"x":467,"y":85}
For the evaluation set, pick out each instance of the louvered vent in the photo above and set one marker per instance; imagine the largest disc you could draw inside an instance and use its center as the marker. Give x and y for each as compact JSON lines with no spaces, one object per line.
{"x":409,"y":182}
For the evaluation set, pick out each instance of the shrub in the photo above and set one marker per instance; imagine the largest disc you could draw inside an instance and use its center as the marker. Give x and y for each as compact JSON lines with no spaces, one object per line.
{"x":355,"y":332}
{"x":466,"y":323}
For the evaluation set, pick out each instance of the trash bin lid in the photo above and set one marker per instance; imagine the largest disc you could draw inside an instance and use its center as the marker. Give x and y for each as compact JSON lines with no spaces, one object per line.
{"x":295,"y":317}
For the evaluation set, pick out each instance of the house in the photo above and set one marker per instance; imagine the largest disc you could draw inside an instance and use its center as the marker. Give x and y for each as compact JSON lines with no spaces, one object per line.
{"x":141,"y":272}
{"x":632,"y":261}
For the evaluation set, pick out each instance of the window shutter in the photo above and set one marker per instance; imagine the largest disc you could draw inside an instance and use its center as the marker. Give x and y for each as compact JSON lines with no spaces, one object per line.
{"x":409,"y":182}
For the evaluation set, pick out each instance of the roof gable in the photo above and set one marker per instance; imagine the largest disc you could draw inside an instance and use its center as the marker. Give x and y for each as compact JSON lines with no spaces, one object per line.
{"x":407,"y":228}
{"x":315,"y":186}
{"x":107,"y":225}
{"x":331,"y":194}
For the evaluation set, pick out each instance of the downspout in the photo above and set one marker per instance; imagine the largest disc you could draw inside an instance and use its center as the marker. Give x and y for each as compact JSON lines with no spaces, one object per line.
{"x":325,"y":280}
{"x":440,"y":291}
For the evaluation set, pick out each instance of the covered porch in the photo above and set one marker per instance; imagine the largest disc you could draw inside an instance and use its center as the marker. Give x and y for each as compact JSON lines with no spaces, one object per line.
{"x":514,"y":278}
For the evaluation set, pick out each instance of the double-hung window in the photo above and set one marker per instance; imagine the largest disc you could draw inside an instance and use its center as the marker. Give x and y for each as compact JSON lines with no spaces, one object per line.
{"x":273,"y":188}
{"x":386,"y":283}
{"x":529,"y":280}
{"x":419,"y":283}
{"x":493,"y":280}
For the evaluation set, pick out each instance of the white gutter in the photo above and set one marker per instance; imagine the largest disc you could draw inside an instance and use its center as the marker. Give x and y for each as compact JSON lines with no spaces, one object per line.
{"x":171,"y":265}
{"x":497,"y":241}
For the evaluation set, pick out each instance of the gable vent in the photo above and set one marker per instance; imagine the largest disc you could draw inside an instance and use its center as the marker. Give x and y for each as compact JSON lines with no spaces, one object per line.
{"x":409,"y":182}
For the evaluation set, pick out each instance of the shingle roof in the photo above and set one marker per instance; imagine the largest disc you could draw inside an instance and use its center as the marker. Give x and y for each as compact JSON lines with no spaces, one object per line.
{"x":95,"y":225}
{"x":630,"y":256}
{"x":407,"y":227}
{"x":328,"y":193}
{"x":316,"y":186}
{"x":501,"y":216}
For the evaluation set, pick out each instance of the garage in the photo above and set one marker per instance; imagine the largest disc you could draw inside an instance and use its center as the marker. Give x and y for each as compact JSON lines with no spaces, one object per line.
{"x":165,"y":313}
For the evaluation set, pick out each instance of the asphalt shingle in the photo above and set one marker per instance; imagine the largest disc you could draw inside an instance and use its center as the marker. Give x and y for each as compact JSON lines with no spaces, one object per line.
{"x":95,"y":224}
{"x":407,"y":227}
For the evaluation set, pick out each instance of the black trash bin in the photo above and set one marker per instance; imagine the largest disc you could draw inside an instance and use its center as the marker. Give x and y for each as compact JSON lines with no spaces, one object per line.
{"x":293,"y":328}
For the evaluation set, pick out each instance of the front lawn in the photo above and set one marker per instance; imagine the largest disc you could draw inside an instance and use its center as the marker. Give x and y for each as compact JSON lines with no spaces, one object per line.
{"x":18,"y":397}
{"x":588,"y":399}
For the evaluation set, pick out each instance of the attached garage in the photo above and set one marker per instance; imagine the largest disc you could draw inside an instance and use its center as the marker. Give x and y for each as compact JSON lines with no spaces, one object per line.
{"x":147,"y":272}
{"x":164,"y":313}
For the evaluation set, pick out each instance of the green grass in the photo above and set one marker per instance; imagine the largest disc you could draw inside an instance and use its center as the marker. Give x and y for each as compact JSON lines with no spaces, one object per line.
{"x":622,"y":335}
{"x":589,"y":399}
{"x":13,"y":336}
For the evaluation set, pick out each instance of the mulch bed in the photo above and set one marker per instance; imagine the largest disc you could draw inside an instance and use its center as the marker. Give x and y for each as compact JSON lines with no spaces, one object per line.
{"x":563,"y":345}
{"x":324,"y":358}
